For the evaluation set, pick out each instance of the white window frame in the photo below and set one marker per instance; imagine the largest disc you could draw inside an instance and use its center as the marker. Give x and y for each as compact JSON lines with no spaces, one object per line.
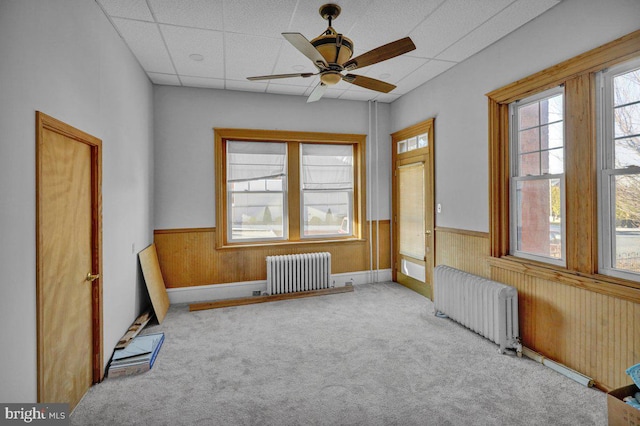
{"x":514,"y":178}
{"x":606,"y":169}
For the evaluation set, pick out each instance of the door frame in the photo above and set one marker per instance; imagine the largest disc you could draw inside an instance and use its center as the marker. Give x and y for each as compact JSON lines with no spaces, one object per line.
{"x":426,"y":126}
{"x":45,"y":122}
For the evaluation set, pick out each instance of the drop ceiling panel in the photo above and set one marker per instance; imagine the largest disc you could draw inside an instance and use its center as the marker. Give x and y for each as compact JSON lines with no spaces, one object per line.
{"x":359,"y":95}
{"x":245,"y":85}
{"x":307,"y":19}
{"x":509,"y":19}
{"x":131,"y":9}
{"x":393,"y":70}
{"x":247,"y":55}
{"x":386,"y":21}
{"x":265,"y":17}
{"x":290,"y":60}
{"x":166,"y":79}
{"x":210,"y":83}
{"x":425,"y":73}
{"x":451,"y":22}
{"x":286,"y":89}
{"x":145,"y":41}
{"x":183,"y":42}
{"x":205,"y":14}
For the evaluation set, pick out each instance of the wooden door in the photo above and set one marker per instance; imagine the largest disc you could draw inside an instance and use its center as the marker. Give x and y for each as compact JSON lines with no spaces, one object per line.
{"x":414,"y":250}
{"x":68,"y":262}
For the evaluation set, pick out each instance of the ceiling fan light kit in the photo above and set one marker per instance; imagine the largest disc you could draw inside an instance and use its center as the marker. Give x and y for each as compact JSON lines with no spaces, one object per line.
{"x":331,"y":54}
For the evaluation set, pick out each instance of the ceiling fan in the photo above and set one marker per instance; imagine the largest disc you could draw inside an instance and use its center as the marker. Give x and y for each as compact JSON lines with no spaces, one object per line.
{"x":331,"y":53}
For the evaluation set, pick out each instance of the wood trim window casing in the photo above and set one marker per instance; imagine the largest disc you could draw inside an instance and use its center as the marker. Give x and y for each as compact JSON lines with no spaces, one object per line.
{"x":578,"y":76}
{"x":293,"y":140}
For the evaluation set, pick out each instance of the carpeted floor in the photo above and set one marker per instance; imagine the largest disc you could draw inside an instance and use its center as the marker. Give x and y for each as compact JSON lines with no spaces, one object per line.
{"x":377,"y":356}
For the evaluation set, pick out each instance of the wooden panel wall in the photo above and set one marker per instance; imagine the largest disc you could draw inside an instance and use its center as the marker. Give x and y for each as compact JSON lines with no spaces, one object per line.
{"x":464,"y":250}
{"x":594,"y":333}
{"x":188,"y":257}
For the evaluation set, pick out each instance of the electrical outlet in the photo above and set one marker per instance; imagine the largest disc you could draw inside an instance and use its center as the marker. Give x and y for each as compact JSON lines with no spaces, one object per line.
{"x":439,"y":208}
{"x":257,"y":292}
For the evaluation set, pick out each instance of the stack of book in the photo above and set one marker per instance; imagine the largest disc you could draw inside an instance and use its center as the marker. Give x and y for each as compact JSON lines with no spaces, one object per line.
{"x":137,"y":357}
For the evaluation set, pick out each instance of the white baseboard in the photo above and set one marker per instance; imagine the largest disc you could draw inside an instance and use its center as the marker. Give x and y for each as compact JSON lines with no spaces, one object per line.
{"x":206,"y":293}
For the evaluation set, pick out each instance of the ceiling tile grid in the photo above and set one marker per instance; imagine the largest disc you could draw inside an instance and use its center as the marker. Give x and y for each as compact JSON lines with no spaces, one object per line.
{"x":219,"y":43}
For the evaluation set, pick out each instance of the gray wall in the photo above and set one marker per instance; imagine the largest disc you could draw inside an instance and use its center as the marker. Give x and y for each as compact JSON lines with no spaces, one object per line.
{"x":64,"y":59}
{"x":457,"y":98}
{"x":184,"y":157}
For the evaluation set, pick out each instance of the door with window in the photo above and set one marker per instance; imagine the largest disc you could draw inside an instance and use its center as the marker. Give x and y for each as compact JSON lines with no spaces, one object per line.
{"x":413,"y":242}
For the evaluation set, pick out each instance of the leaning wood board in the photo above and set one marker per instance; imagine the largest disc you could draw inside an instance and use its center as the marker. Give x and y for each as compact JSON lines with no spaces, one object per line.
{"x":155,"y":283}
{"x":226,"y":303}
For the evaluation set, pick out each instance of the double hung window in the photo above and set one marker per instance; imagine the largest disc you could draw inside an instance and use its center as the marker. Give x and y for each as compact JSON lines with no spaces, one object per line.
{"x":619,"y":176}
{"x":537,"y":177}
{"x":278,"y":186}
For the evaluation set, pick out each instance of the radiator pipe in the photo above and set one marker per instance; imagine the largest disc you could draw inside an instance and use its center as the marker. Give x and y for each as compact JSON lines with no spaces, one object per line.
{"x":370,"y":186}
{"x":557,"y":367}
{"x":377,"y":203}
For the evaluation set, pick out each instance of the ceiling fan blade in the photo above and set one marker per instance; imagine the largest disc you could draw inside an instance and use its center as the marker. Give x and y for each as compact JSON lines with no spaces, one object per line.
{"x":301,"y":43}
{"x":317,"y":92}
{"x":379,"y":54}
{"x":369,"y":83}
{"x":274,"y":76}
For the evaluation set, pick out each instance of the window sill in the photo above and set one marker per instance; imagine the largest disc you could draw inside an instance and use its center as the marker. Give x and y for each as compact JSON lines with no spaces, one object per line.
{"x":298,"y":243}
{"x":603,"y":284}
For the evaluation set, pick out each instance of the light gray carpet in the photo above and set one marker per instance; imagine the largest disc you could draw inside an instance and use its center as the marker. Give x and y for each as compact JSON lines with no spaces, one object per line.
{"x":377,"y":356}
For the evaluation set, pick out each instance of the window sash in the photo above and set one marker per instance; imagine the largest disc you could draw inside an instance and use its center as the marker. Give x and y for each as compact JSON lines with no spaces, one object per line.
{"x":518,"y":178}
{"x":609,"y":255}
{"x":327,"y":178}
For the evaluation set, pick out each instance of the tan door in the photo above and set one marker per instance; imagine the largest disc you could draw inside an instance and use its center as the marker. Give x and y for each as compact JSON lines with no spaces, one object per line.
{"x":414,"y":251}
{"x":68,"y":290}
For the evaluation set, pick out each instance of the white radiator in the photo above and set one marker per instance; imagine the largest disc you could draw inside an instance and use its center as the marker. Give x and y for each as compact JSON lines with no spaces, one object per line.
{"x":487,"y":307}
{"x":298,"y":272}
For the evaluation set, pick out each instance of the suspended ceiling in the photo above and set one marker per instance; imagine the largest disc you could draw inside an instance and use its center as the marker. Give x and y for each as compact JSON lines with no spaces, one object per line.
{"x":219,"y":43}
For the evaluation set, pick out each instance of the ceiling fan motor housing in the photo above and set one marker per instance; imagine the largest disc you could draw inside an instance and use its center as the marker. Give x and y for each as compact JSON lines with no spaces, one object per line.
{"x":331,"y":51}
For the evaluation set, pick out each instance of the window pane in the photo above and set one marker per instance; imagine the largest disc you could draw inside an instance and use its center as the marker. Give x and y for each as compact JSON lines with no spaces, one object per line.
{"x":627,"y":120}
{"x":538,"y":212}
{"x":423,"y":140}
{"x":327,"y":167}
{"x":626,"y":88}
{"x":402,"y":147}
{"x":413,"y":143}
{"x":256,"y":215}
{"x":627,"y":152}
{"x":627,"y":222}
{"x":528,"y":116}
{"x":552,"y":136}
{"x":530,"y":164}
{"x":326,"y":213}
{"x":552,"y":161}
{"x":551,"y":109}
{"x":255,"y":160}
{"x":411,"y":222}
{"x":529,"y":140}
{"x":327,"y":181}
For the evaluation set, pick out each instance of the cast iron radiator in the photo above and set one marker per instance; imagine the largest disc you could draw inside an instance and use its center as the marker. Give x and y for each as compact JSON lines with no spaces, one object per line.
{"x":487,"y":307}
{"x":298,"y":272}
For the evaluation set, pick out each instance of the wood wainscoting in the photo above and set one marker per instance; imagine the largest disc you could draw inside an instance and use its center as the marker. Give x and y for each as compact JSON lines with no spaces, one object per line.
{"x":464,"y":250}
{"x":563,"y":318}
{"x":188,"y":257}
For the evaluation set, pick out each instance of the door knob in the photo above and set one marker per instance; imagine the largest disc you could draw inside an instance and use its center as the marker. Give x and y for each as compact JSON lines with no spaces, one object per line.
{"x":427,"y":232}
{"x":92,"y":277}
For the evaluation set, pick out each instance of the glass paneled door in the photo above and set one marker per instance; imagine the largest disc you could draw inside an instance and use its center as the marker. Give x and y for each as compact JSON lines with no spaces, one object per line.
{"x":413,"y":208}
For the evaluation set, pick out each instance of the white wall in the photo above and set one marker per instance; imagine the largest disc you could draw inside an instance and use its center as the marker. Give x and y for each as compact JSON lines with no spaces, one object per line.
{"x":457,"y":98}
{"x":184,"y":157}
{"x":63,"y":58}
